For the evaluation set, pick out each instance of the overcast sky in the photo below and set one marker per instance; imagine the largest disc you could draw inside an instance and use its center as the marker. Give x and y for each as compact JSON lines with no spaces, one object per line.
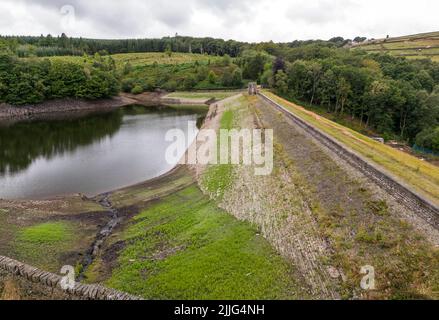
{"x":245,"y":20}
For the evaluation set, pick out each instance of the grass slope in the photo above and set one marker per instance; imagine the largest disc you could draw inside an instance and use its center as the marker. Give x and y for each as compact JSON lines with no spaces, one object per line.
{"x":421,"y":175}
{"x":146,"y":58}
{"x":42,"y":244}
{"x":184,"y":247}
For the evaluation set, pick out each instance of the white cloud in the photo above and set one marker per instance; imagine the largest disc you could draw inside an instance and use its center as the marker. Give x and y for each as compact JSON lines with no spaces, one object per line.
{"x":246,"y":20}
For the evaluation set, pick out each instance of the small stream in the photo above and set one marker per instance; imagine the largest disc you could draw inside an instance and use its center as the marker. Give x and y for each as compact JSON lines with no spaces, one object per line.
{"x":103,"y":234}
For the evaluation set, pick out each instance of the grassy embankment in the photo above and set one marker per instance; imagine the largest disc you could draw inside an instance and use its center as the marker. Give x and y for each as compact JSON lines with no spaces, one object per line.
{"x":421,"y":175}
{"x":419,"y":46}
{"x":182,"y":246}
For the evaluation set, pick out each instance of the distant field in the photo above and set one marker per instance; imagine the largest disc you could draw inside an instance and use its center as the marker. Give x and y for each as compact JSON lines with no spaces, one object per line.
{"x":419,"y":46}
{"x":137,"y":59}
{"x":146,"y":58}
{"x":421,"y":175}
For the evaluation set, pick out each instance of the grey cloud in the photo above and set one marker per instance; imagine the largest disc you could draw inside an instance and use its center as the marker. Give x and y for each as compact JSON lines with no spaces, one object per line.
{"x":319,"y":11}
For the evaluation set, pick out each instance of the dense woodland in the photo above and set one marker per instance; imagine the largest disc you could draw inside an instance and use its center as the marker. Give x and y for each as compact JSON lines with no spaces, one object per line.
{"x":34,"y":81}
{"x":44,"y":46}
{"x":395,"y":97}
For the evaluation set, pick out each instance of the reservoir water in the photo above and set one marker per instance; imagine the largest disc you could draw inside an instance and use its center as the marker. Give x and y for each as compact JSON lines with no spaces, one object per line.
{"x":88,"y":154}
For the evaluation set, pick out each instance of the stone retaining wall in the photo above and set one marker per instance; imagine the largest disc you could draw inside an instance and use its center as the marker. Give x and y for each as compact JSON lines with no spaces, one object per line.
{"x":53,"y":281}
{"x":401,"y":192}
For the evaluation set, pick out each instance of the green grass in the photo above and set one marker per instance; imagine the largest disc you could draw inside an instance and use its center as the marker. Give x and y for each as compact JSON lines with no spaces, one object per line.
{"x":146,"y":58}
{"x":138,"y":59}
{"x":219,"y":95}
{"x":42,"y":244}
{"x":46,"y":233}
{"x":218,"y":178}
{"x":184,"y":247}
{"x":421,"y":175}
{"x":153,"y":70}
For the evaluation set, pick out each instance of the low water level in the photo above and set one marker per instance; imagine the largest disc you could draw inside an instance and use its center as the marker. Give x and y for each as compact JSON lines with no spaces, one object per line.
{"x":89,"y":154}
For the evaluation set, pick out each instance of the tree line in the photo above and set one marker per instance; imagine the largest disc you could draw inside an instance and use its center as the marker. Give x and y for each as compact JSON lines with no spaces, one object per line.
{"x":25,"y":46}
{"x":43,"y":46}
{"x":24,"y":81}
{"x":395,"y":97}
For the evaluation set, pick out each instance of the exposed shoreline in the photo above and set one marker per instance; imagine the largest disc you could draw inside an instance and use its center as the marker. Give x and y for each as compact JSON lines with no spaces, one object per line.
{"x":57,"y":107}
{"x":10,"y":112}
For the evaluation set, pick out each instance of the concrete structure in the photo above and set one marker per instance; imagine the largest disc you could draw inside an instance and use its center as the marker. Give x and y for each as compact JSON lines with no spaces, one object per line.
{"x":252,"y":88}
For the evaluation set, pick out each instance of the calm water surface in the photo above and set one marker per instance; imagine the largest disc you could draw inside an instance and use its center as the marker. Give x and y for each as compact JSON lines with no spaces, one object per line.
{"x":89,"y":154}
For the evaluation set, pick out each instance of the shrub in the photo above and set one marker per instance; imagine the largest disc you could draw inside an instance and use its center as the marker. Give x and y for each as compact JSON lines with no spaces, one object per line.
{"x":429,"y":139}
{"x":189,"y":82}
{"x":137,"y":89}
{"x":170,"y":85}
{"x":127,"y":85}
{"x":212,"y":77}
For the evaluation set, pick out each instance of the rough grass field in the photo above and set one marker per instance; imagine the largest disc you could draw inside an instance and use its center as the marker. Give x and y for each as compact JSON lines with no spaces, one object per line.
{"x":184,"y":247}
{"x":218,"y":95}
{"x":146,"y":58}
{"x":421,"y":175}
{"x":41,"y":244}
{"x":419,"y":46}
{"x":136,"y":59}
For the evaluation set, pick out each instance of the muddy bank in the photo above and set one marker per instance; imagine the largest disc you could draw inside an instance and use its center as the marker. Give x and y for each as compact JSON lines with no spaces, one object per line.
{"x":161,"y":98}
{"x":9,"y":112}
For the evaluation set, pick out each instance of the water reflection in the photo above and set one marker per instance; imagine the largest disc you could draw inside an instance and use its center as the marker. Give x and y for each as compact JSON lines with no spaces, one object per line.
{"x":90,"y":154}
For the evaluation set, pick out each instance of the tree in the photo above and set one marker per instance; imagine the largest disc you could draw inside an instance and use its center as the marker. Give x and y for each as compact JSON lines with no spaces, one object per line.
{"x":237,"y":78}
{"x":315,"y":73}
{"x":253,"y":63}
{"x":279,"y":64}
{"x":212,"y":77}
{"x":189,"y":82}
{"x":360,"y":39}
{"x":429,"y":138}
{"x":281,"y":82}
{"x":342,"y":93}
{"x":168,"y":50}
{"x":227,"y":78}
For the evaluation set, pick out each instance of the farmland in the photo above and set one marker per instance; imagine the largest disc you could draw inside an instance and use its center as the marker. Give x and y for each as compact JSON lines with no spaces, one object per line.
{"x":418,"y":46}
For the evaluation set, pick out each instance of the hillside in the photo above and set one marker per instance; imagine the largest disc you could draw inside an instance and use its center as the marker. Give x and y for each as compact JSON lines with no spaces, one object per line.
{"x":144,"y":58}
{"x":418,"y":46}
